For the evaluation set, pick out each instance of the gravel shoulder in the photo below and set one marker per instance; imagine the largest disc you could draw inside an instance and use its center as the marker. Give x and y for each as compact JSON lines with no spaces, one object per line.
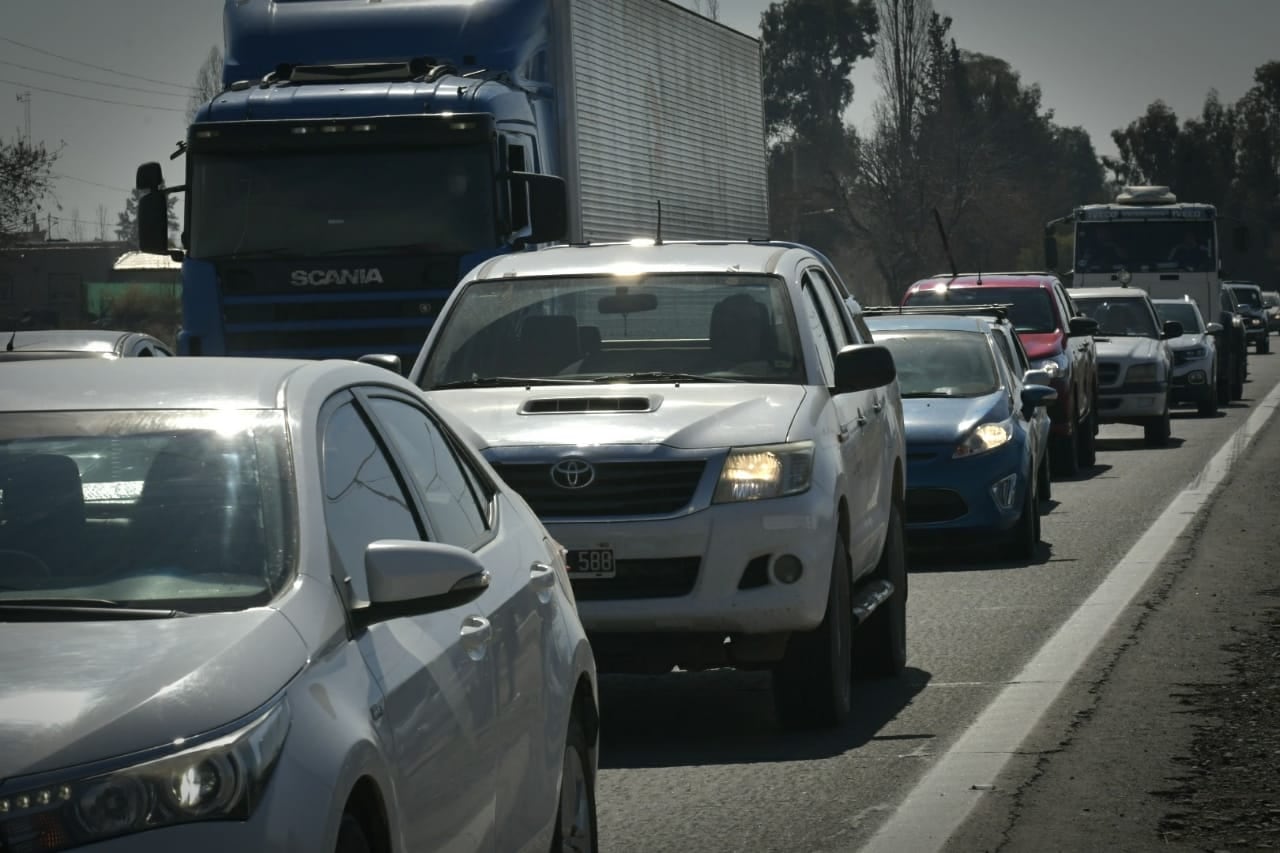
{"x":1172,"y":735}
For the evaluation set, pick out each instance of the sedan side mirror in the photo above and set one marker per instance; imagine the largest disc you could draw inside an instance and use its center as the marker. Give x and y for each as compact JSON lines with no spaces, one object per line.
{"x":1082,"y":327}
{"x":1172,"y":329}
{"x":861,"y":367}
{"x":1035,"y":396}
{"x":1213,"y":328}
{"x":413,"y":578}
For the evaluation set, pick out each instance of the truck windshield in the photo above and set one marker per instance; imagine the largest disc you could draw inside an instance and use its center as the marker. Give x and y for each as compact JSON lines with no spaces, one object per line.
{"x":1180,"y":312}
{"x":189,"y":510}
{"x":1031,"y":308}
{"x":669,"y":327}
{"x":315,"y":203}
{"x":941,"y":364}
{"x":1125,"y":317}
{"x":1177,"y":246}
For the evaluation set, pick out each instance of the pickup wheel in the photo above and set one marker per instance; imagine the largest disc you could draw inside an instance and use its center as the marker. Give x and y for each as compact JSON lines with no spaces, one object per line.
{"x":1156,"y":431}
{"x":1044,"y":483}
{"x":1025,"y":536}
{"x":1087,"y":446}
{"x":813,"y":684}
{"x":880,"y":644}
{"x":1064,"y":451}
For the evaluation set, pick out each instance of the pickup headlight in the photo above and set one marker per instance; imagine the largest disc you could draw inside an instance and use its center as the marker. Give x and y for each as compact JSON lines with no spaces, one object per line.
{"x":1192,"y":353}
{"x":984,"y":439}
{"x":1141,"y":373}
{"x":756,"y":473}
{"x":219,"y":780}
{"x":1049,"y":366}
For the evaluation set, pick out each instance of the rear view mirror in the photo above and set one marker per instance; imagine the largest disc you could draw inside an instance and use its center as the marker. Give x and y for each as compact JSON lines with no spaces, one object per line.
{"x":627,"y":303}
{"x":1172,"y":329}
{"x":1035,"y":396}
{"x":862,"y":367}
{"x":412,"y":578}
{"x":548,"y":206}
{"x":1082,"y":326}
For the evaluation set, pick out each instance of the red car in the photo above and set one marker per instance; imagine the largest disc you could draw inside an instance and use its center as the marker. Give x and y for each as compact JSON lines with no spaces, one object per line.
{"x":1057,"y":339}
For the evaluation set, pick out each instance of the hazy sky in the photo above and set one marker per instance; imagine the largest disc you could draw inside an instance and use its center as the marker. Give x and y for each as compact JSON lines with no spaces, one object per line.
{"x":1098,"y":62}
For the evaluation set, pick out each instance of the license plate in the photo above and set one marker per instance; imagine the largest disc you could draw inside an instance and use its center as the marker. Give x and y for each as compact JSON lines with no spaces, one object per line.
{"x":591,"y":563}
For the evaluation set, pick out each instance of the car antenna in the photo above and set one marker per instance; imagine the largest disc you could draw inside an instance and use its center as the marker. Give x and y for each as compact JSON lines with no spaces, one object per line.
{"x":658,"y":239}
{"x":12,"y":338}
{"x":946,"y":246}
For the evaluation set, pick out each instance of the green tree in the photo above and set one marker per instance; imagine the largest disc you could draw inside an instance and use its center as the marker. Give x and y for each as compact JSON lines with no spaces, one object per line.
{"x":1147,"y":148}
{"x":127,"y":219}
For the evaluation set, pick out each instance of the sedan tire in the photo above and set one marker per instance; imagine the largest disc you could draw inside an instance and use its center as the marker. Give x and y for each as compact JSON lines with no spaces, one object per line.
{"x":1024,"y":539}
{"x":576,"y":828}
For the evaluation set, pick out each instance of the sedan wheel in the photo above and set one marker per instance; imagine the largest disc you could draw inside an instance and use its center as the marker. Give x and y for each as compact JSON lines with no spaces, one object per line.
{"x":576,"y":815}
{"x":1025,"y":537}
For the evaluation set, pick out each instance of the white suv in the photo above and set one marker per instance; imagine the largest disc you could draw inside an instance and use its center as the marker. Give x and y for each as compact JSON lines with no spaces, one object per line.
{"x":710,"y":433}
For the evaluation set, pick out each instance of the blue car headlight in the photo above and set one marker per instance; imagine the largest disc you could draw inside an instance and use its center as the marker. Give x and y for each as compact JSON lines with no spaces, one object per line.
{"x":222,"y":779}
{"x":984,"y":438}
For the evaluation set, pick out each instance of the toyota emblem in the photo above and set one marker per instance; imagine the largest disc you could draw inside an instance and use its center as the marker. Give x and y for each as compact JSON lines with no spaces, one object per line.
{"x":573,"y":474}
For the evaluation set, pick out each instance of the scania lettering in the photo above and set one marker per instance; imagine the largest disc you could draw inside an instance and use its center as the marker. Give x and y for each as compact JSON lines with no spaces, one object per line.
{"x":419,"y":138}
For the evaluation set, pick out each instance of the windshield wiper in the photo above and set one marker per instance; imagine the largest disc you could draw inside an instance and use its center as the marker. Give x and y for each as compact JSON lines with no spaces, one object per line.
{"x":661,"y":376}
{"x":76,"y":609}
{"x":507,"y":382}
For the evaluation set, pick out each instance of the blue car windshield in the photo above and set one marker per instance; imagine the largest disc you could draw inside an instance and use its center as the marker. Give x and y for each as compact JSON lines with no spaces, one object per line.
{"x":934,"y":363}
{"x":182,"y":510}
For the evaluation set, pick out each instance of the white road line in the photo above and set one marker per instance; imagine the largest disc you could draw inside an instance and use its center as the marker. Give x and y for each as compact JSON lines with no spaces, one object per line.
{"x":945,"y":796}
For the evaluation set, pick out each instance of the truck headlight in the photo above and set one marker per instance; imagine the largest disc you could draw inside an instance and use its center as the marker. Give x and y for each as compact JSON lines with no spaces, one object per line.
{"x":1141,"y":373}
{"x":222,"y":779}
{"x":985,"y":438}
{"x":756,"y":473}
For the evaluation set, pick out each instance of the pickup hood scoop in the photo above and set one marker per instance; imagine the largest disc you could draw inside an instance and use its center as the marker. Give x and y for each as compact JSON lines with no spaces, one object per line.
{"x":689,"y":416}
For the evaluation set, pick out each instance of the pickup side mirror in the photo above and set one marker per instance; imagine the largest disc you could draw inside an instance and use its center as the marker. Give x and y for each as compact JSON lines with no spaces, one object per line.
{"x":548,"y":206}
{"x":1037,"y":377}
{"x":1080,"y":327}
{"x":1213,"y":328}
{"x":381,"y":359}
{"x":153,"y":210}
{"x":1172,"y":329}
{"x":1035,"y":396}
{"x":413,"y":578}
{"x":1050,"y":250}
{"x":861,"y":367}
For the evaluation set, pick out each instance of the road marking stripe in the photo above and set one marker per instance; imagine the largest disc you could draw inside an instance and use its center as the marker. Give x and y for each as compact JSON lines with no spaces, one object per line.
{"x":945,"y":796}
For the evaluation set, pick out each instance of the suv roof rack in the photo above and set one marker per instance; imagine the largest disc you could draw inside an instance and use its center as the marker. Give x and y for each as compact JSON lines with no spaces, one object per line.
{"x":999,"y":311}
{"x":982,"y":275}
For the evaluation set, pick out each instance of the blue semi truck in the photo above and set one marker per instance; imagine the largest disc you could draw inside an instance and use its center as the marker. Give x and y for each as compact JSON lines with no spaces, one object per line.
{"x":364,"y":156}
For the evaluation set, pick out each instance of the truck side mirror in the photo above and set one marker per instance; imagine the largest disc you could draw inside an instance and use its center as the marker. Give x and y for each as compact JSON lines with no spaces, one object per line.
{"x":548,"y":206}
{"x":149,"y":177}
{"x":1050,"y":251}
{"x":1240,"y":238}
{"x":153,"y":210}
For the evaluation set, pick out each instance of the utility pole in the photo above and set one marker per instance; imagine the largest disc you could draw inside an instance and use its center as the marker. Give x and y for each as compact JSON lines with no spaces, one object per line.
{"x":25,"y":100}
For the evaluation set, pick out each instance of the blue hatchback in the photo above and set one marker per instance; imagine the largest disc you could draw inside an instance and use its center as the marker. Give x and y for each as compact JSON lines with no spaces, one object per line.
{"x":976,"y":426}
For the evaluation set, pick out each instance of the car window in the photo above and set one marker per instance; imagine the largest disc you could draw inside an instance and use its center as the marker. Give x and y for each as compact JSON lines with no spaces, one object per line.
{"x":1064,"y":304}
{"x":456,"y":514}
{"x":822,"y":342}
{"x":1006,"y":352}
{"x":841,"y":334}
{"x":934,"y":363}
{"x":864,"y":331}
{"x":364,"y":501}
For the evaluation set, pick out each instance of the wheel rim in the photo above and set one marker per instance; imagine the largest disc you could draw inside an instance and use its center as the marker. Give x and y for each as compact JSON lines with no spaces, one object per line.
{"x":575,"y":805}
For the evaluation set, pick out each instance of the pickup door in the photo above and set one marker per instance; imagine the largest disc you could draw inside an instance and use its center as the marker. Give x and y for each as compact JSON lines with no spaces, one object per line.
{"x":1084,"y":360}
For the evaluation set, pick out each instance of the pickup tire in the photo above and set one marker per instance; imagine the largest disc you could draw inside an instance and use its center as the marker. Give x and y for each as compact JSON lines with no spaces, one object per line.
{"x":1088,"y":444}
{"x":1064,"y":451}
{"x":1156,"y":431}
{"x":880,"y":643}
{"x":813,"y":684}
{"x":1024,"y":538}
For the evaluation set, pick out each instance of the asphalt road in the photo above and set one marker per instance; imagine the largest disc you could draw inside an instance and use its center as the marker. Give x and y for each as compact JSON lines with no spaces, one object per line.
{"x":697,"y":761}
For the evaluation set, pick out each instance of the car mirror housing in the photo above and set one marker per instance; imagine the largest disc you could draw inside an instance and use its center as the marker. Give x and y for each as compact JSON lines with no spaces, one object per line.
{"x":1082,"y":326}
{"x":1172,"y":329}
{"x":1037,"y":377}
{"x":861,"y":367}
{"x":1213,"y":328}
{"x":385,"y":360}
{"x":1035,"y":396}
{"x":413,"y":578}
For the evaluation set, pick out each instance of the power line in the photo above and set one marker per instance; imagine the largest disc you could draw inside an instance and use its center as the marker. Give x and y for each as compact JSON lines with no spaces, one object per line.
{"x":98,"y":100}
{"x":93,"y":82}
{"x":90,"y":183}
{"x":96,"y":67}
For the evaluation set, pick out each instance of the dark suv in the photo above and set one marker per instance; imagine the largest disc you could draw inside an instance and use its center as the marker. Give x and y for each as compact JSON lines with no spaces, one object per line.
{"x":1056,"y":338}
{"x":1254,"y":312}
{"x":1234,"y":343}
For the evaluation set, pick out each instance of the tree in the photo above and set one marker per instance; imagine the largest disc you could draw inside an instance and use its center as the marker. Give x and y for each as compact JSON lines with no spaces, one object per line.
{"x":26,"y":181}
{"x":1146,"y":148}
{"x":102,"y":222}
{"x":127,"y":220}
{"x":710,"y":8}
{"x":208,"y":82}
{"x":810,"y":47}
{"x":902,"y":62}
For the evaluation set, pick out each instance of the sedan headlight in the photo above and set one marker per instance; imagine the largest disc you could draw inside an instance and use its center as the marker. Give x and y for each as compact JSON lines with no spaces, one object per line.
{"x":219,"y":780}
{"x":755,"y":473}
{"x":985,"y":438}
{"x":1141,"y":373}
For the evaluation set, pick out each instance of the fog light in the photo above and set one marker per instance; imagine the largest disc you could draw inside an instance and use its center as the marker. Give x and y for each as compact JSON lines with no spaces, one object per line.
{"x":1002,"y":490}
{"x":1196,"y":377}
{"x":787,"y":569}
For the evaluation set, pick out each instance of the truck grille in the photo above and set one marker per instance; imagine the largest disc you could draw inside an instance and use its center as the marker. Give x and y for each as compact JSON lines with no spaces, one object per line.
{"x":667,"y":578}
{"x":619,"y":488}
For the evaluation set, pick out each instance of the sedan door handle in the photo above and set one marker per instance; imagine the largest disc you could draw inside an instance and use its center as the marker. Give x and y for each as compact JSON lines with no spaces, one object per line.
{"x":543,"y":579}
{"x":878,"y":407}
{"x":476,"y":635}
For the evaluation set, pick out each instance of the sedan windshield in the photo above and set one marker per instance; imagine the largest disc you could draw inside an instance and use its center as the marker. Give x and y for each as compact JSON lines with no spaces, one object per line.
{"x":935,"y":363}
{"x":315,"y":203}
{"x":1031,"y":309}
{"x":1248,"y":296}
{"x":1124,"y":317}
{"x":671,"y":327}
{"x":187,"y":510}
{"x":1180,"y":312}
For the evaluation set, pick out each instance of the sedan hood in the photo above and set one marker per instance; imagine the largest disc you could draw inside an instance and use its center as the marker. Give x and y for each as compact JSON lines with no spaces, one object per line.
{"x":76,"y":692}
{"x":1041,"y":345}
{"x":1122,"y":348}
{"x":692,"y":416}
{"x":939,"y":420}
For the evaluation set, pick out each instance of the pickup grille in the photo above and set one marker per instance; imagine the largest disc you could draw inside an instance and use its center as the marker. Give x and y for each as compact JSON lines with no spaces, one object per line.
{"x":1108,"y":373}
{"x":619,"y":488}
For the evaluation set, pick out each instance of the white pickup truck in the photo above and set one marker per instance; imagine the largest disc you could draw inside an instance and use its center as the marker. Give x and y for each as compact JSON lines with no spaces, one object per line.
{"x":710,"y":433}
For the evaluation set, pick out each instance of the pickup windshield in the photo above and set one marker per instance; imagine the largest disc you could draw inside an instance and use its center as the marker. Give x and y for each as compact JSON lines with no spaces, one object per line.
{"x":1031,"y":309}
{"x":942,"y":364}
{"x":313,"y":203}
{"x":1120,"y":318}
{"x":184,"y":510}
{"x":684,"y":327}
